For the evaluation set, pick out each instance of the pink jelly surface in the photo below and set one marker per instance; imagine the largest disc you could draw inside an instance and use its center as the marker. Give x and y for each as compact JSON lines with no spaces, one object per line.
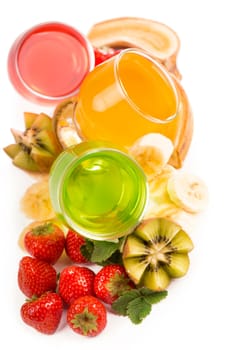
{"x":52,"y":63}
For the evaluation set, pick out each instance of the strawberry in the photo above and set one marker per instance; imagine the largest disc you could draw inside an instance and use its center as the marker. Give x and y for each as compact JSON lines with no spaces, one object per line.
{"x":36,"y":277}
{"x":75,"y":281}
{"x":74,"y":242}
{"x":87,"y":316}
{"x":43,"y":313}
{"x":102,"y":54}
{"x":110,"y":282}
{"x":45,"y":241}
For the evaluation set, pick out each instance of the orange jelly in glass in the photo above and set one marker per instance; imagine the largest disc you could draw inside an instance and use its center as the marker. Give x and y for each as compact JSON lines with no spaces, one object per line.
{"x":126,"y":97}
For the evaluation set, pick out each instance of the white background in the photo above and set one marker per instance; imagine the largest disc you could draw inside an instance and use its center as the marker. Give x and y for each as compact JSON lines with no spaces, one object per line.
{"x":203,"y":310}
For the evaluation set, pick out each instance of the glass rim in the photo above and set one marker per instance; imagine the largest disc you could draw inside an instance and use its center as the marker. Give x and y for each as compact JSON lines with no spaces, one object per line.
{"x":108,"y":235}
{"x":162,"y":70}
{"x":39,"y":28}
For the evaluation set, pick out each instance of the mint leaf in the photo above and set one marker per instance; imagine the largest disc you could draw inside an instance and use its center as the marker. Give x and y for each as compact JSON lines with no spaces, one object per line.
{"x":87,"y":249}
{"x":138,"y":309}
{"x":137,"y":303}
{"x":153,"y":297}
{"x":120,"y":306}
{"x":115,"y":258}
{"x":103,"y":250}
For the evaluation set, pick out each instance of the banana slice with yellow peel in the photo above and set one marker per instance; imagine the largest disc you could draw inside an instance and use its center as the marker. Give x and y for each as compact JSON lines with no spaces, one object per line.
{"x":158,"y":39}
{"x":36,"y":203}
{"x":152,"y":152}
{"x":188,"y":191}
{"x":180,"y":130}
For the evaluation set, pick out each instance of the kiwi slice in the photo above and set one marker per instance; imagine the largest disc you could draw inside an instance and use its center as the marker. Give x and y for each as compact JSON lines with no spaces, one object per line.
{"x":156,"y":252}
{"x":37,"y":147}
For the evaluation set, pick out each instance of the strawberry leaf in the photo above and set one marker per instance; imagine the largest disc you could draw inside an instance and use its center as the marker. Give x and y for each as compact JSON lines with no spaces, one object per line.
{"x":44,"y":229}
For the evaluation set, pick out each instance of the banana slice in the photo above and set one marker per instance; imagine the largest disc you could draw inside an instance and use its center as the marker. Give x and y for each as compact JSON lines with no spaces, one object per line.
{"x":188,"y":191}
{"x":36,"y":203}
{"x":158,"y":39}
{"x":63,"y":125}
{"x":152,"y":152}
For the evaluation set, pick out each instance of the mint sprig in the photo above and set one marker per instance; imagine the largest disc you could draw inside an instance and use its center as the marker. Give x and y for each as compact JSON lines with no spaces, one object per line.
{"x":137,"y":303}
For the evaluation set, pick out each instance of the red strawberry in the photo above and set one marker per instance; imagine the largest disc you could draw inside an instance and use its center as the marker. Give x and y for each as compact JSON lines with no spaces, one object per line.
{"x":74,"y":242}
{"x":102,"y":54}
{"x":44,"y":313}
{"x":87,"y":316}
{"x":45,"y":241}
{"x":110,"y":282}
{"x":75,"y":281}
{"x":36,"y":277}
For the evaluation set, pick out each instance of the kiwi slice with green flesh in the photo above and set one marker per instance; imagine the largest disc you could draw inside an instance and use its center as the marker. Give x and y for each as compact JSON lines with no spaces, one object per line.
{"x":156,"y":252}
{"x":37,"y":147}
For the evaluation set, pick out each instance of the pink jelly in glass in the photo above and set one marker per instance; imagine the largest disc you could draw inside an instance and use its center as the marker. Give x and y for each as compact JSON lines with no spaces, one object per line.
{"x":47,"y":63}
